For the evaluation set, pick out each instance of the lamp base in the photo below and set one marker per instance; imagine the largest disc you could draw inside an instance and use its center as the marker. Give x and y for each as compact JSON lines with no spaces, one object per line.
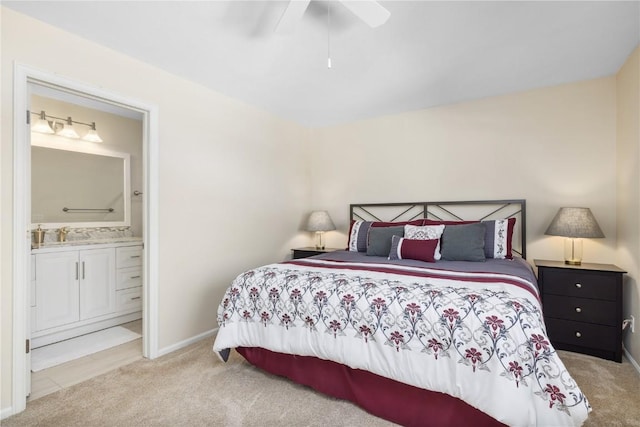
{"x":319,"y":242}
{"x":573,"y":251}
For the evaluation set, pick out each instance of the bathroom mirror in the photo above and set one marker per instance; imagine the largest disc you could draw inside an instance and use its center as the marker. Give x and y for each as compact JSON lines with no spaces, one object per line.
{"x":79,"y":185}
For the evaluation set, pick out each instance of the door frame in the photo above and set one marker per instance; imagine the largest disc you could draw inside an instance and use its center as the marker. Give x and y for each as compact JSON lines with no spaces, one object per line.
{"x":21,"y":245}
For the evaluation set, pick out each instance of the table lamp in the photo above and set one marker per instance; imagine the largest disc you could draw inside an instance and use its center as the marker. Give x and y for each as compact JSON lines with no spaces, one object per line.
{"x":319,"y":221}
{"x":574,"y":224}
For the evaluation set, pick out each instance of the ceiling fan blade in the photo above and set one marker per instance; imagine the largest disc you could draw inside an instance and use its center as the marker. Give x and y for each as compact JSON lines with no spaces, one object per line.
{"x":369,"y":11}
{"x":292,"y":14}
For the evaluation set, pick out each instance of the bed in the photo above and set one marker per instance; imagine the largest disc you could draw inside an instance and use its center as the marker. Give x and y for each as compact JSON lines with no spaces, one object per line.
{"x":430,"y":317}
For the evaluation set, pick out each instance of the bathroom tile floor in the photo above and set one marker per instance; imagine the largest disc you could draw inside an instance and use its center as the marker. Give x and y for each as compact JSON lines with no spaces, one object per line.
{"x":76,"y":371}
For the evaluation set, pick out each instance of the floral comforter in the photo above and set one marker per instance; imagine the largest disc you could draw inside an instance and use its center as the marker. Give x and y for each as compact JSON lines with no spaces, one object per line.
{"x":478,"y":336}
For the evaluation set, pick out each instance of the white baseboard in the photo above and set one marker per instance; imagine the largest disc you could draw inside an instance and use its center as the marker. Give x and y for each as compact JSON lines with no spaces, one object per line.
{"x":187,"y":342}
{"x":6,"y":412}
{"x":631,"y":359}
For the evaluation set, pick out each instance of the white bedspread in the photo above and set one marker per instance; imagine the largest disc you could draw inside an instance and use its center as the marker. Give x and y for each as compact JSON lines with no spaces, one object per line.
{"x":476,"y":336}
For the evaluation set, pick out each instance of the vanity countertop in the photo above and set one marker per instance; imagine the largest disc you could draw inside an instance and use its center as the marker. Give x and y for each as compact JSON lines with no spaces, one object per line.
{"x":85,"y":244}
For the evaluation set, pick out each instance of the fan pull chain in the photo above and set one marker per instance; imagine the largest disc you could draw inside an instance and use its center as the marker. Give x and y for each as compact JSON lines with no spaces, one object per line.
{"x":328,"y":35}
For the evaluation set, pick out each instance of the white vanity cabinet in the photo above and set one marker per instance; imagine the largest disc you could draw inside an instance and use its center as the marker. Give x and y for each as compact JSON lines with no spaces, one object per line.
{"x":129,"y":281}
{"x":78,"y":291}
{"x":97,"y":282}
{"x":57,"y":290}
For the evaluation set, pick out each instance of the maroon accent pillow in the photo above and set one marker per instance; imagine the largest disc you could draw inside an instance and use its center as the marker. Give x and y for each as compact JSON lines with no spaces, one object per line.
{"x":421,"y":250}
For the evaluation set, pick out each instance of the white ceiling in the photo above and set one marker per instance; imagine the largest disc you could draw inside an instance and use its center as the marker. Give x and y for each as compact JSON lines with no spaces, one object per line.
{"x":427,"y":54}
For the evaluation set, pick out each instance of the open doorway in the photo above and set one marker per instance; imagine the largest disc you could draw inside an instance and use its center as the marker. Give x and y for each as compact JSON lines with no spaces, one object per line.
{"x":122,"y":267}
{"x":86,"y":256}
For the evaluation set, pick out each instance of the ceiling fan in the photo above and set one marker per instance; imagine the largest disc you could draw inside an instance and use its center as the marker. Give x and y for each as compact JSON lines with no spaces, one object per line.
{"x":369,"y":11}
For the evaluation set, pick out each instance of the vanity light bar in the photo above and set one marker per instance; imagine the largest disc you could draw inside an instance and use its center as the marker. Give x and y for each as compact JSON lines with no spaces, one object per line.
{"x":63,"y":127}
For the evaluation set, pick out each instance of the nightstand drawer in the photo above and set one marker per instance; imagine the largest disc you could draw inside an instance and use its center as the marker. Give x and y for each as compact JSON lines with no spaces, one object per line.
{"x":580,"y":284}
{"x":582,"y":334}
{"x":580,"y":309}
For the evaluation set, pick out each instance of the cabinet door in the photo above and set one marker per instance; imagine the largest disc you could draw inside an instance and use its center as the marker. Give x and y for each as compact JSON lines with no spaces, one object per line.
{"x":97,"y":283}
{"x":57,"y":289}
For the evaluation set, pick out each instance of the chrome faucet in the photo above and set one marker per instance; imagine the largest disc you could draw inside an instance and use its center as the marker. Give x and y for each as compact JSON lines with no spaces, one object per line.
{"x":62,"y":234}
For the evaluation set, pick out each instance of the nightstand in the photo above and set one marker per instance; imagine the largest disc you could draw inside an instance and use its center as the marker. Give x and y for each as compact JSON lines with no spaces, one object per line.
{"x":583,"y":307}
{"x":310,"y":251}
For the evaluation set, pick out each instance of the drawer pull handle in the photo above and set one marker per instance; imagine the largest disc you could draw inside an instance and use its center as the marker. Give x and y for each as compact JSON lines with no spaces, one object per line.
{"x":135,"y":298}
{"x":578,"y":285}
{"x":134,"y":277}
{"x":135,"y":256}
{"x":578,"y":310}
{"x":578,"y":334}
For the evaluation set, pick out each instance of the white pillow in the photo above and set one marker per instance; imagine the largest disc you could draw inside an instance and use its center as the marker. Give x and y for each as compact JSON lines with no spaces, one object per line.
{"x":425,"y":232}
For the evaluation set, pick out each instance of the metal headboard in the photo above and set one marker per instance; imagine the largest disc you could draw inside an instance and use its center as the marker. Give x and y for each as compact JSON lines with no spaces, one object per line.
{"x":475,"y":210}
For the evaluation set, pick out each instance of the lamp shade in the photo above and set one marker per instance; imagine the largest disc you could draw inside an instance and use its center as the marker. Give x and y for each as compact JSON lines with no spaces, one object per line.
{"x":320,"y":221}
{"x":68,"y":131}
{"x":92,"y":135}
{"x":42,"y":125}
{"x":575,"y":223}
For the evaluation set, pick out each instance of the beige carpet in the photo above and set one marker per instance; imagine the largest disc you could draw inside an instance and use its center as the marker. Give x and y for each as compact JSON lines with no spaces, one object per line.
{"x":192,"y":387}
{"x":613,"y":389}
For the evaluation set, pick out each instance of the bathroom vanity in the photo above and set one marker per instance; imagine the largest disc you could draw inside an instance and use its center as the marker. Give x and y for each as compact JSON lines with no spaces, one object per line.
{"x":86,"y":269}
{"x":79,"y":287}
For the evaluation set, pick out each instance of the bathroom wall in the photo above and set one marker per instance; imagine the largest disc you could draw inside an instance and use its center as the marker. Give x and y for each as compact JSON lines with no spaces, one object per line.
{"x":120,"y":134}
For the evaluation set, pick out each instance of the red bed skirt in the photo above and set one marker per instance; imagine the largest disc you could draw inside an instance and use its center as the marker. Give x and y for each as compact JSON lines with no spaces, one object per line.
{"x":397,"y":402}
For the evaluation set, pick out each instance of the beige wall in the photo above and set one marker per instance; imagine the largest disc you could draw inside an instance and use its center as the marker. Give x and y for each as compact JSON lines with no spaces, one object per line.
{"x":233,"y":183}
{"x":553,"y":147}
{"x":120,"y":134}
{"x":628,"y":146}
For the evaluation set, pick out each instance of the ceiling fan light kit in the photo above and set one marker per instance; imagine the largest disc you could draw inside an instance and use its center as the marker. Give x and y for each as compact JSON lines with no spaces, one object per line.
{"x":369,"y":11}
{"x":292,"y":14}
